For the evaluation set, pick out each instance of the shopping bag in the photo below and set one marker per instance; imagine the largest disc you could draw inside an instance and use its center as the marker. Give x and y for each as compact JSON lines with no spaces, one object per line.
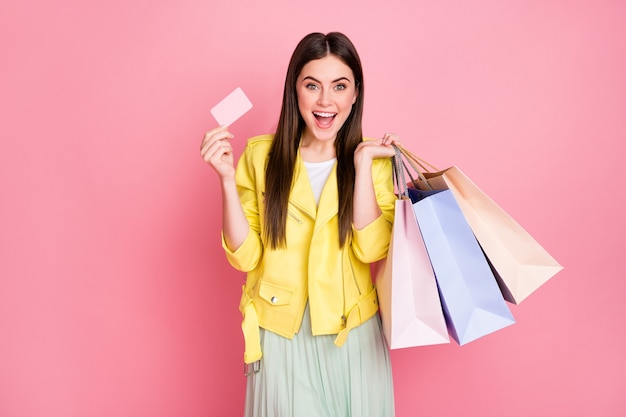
{"x":472,"y":302}
{"x":520,"y":264}
{"x":409,"y":302}
{"x":408,"y":297}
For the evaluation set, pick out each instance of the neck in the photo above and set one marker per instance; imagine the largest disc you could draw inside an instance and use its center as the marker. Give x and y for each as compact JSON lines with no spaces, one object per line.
{"x":313,"y":150}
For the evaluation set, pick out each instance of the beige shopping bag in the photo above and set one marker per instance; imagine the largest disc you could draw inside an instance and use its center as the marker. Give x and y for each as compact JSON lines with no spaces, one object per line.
{"x":520,"y":263}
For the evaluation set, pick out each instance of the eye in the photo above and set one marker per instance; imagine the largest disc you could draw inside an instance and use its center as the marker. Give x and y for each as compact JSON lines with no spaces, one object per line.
{"x":311,"y":86}
{"x":340,"y":87}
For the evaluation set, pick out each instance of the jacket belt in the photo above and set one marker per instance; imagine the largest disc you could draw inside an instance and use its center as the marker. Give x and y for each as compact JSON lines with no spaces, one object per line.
{"x":364,"y":310}
{"x":250,"y":327}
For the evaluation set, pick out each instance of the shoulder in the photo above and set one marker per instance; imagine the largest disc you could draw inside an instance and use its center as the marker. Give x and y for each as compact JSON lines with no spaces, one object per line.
{"x":258,"y":146}
{"x":260,"y":141}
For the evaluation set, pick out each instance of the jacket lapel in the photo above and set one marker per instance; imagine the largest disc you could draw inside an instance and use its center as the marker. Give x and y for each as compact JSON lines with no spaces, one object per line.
{"x":301,"y":193}
{"x":328,"y":206}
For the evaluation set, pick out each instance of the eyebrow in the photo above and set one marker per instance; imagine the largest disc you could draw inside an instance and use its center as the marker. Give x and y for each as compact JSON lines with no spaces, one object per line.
{"x":308,"y":77}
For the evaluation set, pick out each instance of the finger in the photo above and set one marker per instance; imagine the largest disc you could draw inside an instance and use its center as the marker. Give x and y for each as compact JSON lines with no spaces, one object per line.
{"x":217,"y":158}
{"x":218,"y":133}
{"x":213,"y":147}
{"x":390,"y":138}
{"x":215,"y":140}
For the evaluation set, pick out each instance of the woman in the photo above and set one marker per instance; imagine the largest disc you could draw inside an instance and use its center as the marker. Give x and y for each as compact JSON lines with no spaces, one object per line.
{"x":304,"y":214}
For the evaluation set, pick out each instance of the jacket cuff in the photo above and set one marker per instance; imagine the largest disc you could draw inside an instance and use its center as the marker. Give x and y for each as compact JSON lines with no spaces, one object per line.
{"x":246,"y":256}
{"x":371,"y":243}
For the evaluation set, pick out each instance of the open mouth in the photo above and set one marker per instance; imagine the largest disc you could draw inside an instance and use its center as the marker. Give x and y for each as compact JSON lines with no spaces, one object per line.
{"x":324,"y":118}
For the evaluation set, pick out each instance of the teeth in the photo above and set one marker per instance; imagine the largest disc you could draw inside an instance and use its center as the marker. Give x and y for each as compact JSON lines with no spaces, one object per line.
{"x":323,"y":114}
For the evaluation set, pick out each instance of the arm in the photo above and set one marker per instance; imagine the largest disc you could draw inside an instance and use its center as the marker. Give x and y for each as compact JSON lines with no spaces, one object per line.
{"x":217,"y":151}
{"x":374,"y":205}
{"x":367,"y":209}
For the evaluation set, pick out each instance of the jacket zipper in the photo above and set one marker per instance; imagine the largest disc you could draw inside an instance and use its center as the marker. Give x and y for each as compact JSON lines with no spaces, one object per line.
{"x":344,"y":319}
{"x":356,"y":283}
{"x":296,"y":218}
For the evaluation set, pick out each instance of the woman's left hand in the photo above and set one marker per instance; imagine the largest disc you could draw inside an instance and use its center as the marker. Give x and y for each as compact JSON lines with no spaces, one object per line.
{"x":369,"y":150}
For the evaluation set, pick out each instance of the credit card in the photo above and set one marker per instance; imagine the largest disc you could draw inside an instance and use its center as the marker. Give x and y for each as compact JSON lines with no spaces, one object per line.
{"x":231,"y":108}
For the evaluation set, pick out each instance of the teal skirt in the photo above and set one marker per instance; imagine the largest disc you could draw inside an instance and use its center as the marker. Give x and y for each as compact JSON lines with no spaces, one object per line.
{"x":310,"y":376}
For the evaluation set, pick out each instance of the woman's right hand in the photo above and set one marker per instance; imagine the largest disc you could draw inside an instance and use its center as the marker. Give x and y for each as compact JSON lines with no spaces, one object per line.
{"x":217,"y":151}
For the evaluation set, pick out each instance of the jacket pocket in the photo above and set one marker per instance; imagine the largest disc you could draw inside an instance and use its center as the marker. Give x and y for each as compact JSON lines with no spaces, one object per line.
{"x":275,"y":294}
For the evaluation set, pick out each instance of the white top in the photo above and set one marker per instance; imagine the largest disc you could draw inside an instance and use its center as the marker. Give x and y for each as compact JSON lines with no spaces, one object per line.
{"x":318,"y":174}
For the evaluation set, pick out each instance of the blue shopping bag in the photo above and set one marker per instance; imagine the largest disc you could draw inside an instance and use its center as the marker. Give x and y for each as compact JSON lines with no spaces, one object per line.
{"x":471,"y":298}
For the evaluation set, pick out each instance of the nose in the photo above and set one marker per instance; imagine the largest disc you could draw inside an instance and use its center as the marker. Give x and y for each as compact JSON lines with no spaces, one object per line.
{"x":324,"y":98}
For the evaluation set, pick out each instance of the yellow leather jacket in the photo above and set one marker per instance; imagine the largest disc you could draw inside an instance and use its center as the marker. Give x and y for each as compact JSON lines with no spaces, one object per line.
{"x":336,"y":281}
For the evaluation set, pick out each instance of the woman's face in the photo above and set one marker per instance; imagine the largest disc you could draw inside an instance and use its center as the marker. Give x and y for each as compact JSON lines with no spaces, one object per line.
{"x":326,"y":92}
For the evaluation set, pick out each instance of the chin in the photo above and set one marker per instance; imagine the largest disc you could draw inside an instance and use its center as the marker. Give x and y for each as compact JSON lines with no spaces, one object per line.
{"x":326,"y":136}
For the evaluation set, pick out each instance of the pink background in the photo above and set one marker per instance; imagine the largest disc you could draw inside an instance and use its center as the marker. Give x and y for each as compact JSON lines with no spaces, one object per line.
{"x":115,"y":296}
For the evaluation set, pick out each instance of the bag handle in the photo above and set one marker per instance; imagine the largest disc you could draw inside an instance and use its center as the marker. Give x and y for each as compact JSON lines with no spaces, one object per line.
{"x":398,"y":173}
{"x":399,"y":161}
{"x":425,"y":165}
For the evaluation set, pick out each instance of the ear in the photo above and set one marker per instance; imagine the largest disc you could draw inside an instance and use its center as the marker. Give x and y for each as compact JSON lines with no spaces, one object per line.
{"x":356,"y":94}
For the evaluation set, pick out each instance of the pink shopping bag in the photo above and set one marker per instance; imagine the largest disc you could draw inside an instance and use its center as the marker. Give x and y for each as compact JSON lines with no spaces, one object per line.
{"x":409,"y":301}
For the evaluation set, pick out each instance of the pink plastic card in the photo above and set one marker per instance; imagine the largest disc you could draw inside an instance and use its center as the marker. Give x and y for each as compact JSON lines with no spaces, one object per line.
{"x":231,"y":108}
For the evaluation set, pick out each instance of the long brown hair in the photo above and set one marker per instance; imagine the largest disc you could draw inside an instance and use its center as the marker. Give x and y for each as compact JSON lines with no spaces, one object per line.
{"x":282,"y":157}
